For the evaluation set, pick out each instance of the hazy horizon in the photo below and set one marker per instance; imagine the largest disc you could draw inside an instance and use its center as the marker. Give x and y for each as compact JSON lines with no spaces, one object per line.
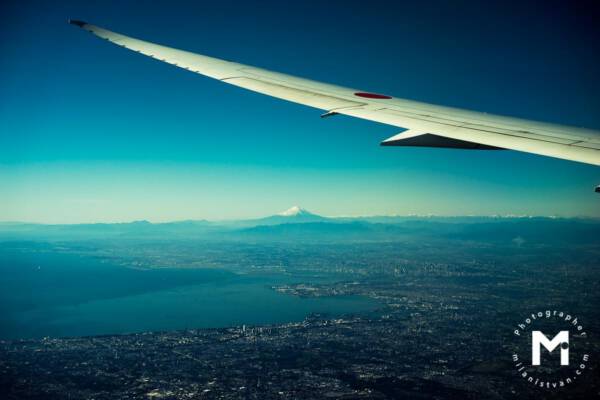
{"x":280,"y":212}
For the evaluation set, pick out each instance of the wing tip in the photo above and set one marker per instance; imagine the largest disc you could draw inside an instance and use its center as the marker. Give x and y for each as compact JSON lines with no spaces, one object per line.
{"x":77,"y":22}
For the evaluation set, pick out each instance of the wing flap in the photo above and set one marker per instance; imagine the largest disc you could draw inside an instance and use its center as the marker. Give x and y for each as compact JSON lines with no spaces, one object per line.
{"x":512,"y":140}
{"x":421,"y":139}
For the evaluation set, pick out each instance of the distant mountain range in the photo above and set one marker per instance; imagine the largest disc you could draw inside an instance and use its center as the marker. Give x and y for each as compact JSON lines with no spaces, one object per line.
{"x":297,"y":223}
{"x":293,"y":215}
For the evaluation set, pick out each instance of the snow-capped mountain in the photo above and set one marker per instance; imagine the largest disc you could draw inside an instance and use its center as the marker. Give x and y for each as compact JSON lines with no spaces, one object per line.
{"x":293,"y":215}
{"x":294,"y":212}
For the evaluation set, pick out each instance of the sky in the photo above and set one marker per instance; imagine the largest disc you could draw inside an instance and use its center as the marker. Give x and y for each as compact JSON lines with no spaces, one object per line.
{"x":90,"y":132}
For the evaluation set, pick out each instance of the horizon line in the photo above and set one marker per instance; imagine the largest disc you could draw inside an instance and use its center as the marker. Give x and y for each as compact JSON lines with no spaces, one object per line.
{"x":339,"y":217}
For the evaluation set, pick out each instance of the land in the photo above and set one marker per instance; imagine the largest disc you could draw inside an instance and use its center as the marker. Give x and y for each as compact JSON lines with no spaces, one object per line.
{"x":450,"y":295}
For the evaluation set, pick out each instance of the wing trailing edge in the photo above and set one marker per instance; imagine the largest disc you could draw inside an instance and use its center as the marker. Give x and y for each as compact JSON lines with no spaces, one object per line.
{"x":416,"y":138}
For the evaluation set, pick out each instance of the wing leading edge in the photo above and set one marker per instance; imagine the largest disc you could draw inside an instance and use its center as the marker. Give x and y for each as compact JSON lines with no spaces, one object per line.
{"x":427,"y":125}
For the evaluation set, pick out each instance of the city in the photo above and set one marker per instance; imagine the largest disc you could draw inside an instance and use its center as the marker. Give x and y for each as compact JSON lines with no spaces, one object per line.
{"x":442,"y":327}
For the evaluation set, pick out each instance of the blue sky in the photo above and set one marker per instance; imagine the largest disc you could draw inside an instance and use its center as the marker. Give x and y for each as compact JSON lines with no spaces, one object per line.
{"x":92,"y":132}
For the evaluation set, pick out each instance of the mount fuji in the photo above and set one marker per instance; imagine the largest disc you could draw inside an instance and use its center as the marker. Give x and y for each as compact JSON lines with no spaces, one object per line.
{"x":293,"y":215}
{"x":295,"y":211}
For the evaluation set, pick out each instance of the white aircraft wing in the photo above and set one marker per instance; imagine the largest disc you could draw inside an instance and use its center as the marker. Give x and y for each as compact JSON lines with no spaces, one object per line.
{"x":426,"y":124}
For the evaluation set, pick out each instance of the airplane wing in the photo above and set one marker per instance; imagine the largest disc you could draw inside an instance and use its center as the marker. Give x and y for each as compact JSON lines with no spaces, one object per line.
{"x":425,"y":124}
